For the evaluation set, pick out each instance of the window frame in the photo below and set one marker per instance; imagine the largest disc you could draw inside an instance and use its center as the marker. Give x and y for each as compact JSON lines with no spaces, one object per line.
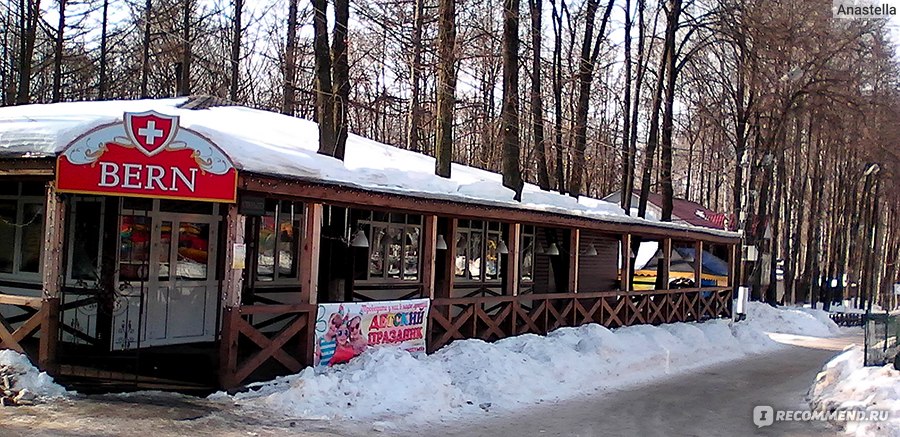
{"x":367,"y":222}
{"x":488,"y":230}
{"x":527,"y":231}
{"x":17,"y":275}
{"x":298,"y":220}
{"x":70,"y":243}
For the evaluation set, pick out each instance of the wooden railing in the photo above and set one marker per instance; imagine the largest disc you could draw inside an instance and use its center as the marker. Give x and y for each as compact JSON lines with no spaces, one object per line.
{"x":494,"y":317}
{"x":247,"y":345}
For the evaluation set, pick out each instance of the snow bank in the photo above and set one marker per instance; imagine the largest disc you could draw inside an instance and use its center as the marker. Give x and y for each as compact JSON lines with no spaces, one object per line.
{"x":22,"y":375}
{"x":844,"y":384}
{"x":470,"y":376}
{"x":799,"y":321}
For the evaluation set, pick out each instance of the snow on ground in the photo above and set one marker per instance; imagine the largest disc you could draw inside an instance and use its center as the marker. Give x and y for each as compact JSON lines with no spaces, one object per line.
{"x":791,"y":320}
{"x":844,"y":384}
{"x":469,"y":376}
{"x":22,"y":375}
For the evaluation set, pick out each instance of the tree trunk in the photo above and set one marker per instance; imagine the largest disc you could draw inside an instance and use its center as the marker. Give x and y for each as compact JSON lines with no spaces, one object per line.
{"x":557,"y":95}
{"x":31,"y":11}
{"x":537,"y":102}
{"x":585,"y":77}
{"x":653,"y":137}
{"x":638,"y":85}
{"x":104,"y":51}
{"x":415,"y":78}
{"x":627,"y":159}
{"x":185,"y":88}
{"x":446,"y":86}
{"x":669,"y":113}
{"x":289,"y":102}
{"x":512,"y":174}
{"x":324,"y":96}
{"x":145,"y":55}
{"x":58,"y":52}
{"x":341,"y":76}
{"x":237,"y":31}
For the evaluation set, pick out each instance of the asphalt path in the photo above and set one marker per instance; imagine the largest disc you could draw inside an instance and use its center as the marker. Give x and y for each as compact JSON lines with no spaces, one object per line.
{"x":713,"y":401}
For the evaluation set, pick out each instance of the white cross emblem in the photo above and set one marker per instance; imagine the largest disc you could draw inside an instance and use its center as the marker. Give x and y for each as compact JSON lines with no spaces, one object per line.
{"x":150,"y":133}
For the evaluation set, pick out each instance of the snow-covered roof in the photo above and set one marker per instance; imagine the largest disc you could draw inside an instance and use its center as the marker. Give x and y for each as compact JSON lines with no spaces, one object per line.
{"x":274,"y":144}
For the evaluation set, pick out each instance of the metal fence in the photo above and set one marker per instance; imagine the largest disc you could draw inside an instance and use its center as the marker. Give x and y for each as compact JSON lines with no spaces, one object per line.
{"x":882,"y":335}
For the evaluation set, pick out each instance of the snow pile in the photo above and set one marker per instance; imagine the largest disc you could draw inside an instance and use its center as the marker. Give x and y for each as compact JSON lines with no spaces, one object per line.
{"x":22,"y":383}
{"x":844,"y":384}
{"x":799,"y":321}
{"x":275,"y":144}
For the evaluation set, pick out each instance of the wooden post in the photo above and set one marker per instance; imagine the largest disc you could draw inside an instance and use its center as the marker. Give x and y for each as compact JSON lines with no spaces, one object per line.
{"x":52,"y":274}
{"x":309,"y":254}
{"x":512,"y":260}
{"x":232,"y":287}
{"x":667,"y":261}
{"x":732,"y":255}
{"x":450,"y":260}
{"x":698,"y":263}
{"x":309,"y":271}
{"x":625,"y":273}
{"x":574,"y":236}
{"x":429,"y":238}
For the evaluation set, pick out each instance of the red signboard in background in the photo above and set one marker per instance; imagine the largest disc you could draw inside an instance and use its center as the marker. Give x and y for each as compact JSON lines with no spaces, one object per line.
{"x":147,"y":155}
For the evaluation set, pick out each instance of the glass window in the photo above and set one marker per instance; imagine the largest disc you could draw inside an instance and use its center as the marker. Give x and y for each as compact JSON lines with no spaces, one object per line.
{"x":278,"y":241}
{"x":88,"y":215}
{"x":527,"y":269}
{"x":134,"y":247}
{"x":394,"y":244}
{"x":193,"y":251}
{"x":32,"y":238}
{"x":475,"y":255}
{"x":7,"y":234}
{"x":462,"y":250}
{"x":492,"y":258}
{"x":21,"y":230}
{"x":411,"y":254}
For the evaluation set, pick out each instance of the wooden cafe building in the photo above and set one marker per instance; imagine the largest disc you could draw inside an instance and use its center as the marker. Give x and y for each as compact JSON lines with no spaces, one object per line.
{"x":185,"y":244}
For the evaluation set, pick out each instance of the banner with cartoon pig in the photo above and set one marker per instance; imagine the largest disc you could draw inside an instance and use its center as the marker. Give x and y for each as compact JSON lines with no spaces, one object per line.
{"x":345,"y":330}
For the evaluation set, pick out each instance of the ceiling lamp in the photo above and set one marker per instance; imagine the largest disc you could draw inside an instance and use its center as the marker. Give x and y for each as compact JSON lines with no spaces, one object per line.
{"x":553,"y":250}
{"x":440,"y":244}
{"x":360,"y":240}
{"x":502,"y":248}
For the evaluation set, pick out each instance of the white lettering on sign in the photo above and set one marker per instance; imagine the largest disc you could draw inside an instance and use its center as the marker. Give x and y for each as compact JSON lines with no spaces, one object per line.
{"x":146,"y":177}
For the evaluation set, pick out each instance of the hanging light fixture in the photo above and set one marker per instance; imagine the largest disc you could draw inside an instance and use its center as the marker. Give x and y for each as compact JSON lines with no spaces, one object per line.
{"x":539,"y":248}
{"x":359,"y":240}
{"x":501,"y":248}
{"x":553,"y":250}
{"x":440,"y":244}
{"x":592,"y":251}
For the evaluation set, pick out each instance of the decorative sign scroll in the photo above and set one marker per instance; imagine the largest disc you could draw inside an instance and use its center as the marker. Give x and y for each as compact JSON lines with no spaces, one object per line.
{"x":147,"y":155}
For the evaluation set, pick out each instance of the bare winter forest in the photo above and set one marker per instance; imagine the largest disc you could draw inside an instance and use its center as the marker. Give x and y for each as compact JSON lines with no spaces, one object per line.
{"x":770,"y":111}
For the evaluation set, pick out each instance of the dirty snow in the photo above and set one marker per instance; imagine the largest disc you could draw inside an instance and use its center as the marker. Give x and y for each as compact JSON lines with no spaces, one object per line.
{"x":22,"y":375}
{"x":469,"y":377}
{"x":791,"y":320}
{"x":844,"y":384}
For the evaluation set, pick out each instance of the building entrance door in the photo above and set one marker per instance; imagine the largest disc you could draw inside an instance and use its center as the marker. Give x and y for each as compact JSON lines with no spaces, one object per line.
{"x":167,"y":279}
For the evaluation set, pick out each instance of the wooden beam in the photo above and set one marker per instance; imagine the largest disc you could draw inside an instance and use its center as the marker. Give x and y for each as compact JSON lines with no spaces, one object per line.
{"x":25,"y":301}
{"x":667,"y":261}
{"x":429,"y":237}
{"x":51,"y":277}
{"x":625,"y":274}
{"x":309,"y":253}
{"x":52,"y":252}
{"x":574,"y":237}
{"x":512,"y":260}
{"x":234,"y":238}
{"x":449,"y":261}
{"x":232,"y":287}
{"x":698,"y":263}
{"x":312,"y":191}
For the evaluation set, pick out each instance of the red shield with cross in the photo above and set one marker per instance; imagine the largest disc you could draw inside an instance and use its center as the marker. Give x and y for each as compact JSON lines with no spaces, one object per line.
{"x":150,"y":131}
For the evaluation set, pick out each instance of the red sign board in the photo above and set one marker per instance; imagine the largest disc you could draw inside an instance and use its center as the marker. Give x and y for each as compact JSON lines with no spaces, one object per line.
{"x":147,"y":155}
